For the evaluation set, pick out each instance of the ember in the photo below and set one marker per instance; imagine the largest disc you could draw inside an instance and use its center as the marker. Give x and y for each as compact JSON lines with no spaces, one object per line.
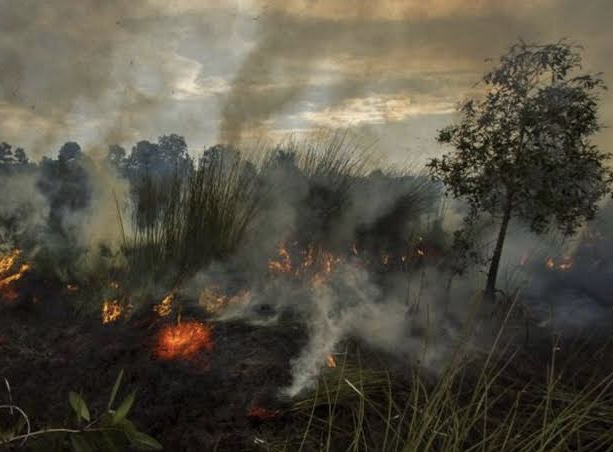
{"x":165,"y":307}
{"x":330,"y":361}
{"x":111,"y":311}
{"x":183,"y":341}
{"x":256,"y":412}
{"x":212,"y":301}
{"x":283,"y":264}
{"x":565,"y":264}
{"x":9,"y":273}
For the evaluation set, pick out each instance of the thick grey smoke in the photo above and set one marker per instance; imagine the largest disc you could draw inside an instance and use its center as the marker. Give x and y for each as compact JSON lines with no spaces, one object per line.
{"x":320,"y":55}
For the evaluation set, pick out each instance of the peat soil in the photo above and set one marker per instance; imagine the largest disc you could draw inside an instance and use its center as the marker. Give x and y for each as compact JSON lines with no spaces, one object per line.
{"x":217,"y":399}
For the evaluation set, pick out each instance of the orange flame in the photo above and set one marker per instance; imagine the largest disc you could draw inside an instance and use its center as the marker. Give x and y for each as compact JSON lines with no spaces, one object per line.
{"x":183,"y":341}
{"x":164,"y":308}
{"x":565,"y":264}
{"x":260,"y":413}
{"x":214,"y":302}
{"x":111,"y":311}
{"x":7,"y":265}
{"x":8,"y":261}
{"x":330,"y":361}
{"x":283,"y":264}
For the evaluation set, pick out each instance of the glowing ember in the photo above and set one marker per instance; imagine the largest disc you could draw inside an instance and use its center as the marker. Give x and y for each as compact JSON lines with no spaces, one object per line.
{"x":283,"y":264}
{"x":385,"y":259}
{"x":260,"y":413}
{"x":9,"y":273}
{"x":329,"y":261}
{"x":183,"y":341}
{"x":72,"y":288}
{"x":309,"y":257}
{"x":214,"y":302}
{"x":8,"y":261}
{"x":420,"y":252}
{"x":111,"y":311}
{"x":566,"y":264}
{"x":165,"y":307}
{"x":330,"y":361}
{"x":563,"y":265}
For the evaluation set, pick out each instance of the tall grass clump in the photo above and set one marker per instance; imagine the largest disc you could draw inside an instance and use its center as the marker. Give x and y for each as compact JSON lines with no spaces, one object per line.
{"x":501,"y":398}
{"x":183,"y":222}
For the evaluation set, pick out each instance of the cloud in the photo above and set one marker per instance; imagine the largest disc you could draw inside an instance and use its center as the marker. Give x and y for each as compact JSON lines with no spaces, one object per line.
{"x":105,"y":71}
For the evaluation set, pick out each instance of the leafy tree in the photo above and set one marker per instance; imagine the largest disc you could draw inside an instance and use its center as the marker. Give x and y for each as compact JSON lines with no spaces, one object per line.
{"x":523,"y":150}
{"x":166,"y":157}
{"x":65,"y":183}
{"x":13,"y":160}
{"x":116,"y":157}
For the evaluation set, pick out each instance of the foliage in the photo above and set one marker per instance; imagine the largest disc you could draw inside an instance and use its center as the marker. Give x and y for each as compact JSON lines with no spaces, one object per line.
{"x":110,"y":431}
{"x":524,"y":150}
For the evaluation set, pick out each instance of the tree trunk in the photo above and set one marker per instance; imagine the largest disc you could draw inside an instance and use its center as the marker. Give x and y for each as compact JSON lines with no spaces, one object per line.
{"x":490,"y":288}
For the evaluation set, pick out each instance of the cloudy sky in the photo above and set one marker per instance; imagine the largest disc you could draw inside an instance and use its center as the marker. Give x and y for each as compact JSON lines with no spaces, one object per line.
{"x":115,"y":71}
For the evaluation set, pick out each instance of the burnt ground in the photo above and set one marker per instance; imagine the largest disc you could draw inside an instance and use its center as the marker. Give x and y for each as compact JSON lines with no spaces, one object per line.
{"x":194,"y":404}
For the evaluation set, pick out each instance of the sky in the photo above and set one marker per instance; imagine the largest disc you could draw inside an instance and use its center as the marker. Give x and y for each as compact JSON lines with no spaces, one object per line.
{"x":111,"y":71}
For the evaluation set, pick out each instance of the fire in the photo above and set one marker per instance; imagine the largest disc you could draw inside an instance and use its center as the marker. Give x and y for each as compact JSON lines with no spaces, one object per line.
{"x":283,"y":264}
{"x":257,"y":412}
{"x":214,"y":302}
{"x":565,"y":264}
{"x":309,"y":257}
{"x":8,"y":261}
{"x":330,"y":360}
{"x":183,"y":341}
{"x":111,"y":311}
{"x":329,"y":261}
{"x":313,"y":263}
{"x":9,"y":273}
{"x":165,"y":307}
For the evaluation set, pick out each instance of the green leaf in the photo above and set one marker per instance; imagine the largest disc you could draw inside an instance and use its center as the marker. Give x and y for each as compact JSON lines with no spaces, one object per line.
{"x":79,"y":405}
{"x":124,"y":408}
{"x":142,"y":441}
{"x":79,"y":444}
{"x":106,"y":442}
{"x":115,"y":389}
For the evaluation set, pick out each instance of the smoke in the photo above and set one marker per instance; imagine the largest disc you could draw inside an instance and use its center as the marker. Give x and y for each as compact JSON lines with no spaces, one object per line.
{"x":105,"y":220}
{"x":353,"y":306}
{"x":66,"y":65}
{"x":23,"y":210}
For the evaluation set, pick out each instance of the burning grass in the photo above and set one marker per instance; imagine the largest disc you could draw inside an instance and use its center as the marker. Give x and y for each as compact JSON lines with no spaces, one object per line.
{"x":12,"y":269}
{"x":183,"y":341}
{"x":526,"y":400}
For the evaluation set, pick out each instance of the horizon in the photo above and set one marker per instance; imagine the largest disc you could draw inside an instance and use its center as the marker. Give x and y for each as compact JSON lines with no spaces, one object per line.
{"x":390,"y":71}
